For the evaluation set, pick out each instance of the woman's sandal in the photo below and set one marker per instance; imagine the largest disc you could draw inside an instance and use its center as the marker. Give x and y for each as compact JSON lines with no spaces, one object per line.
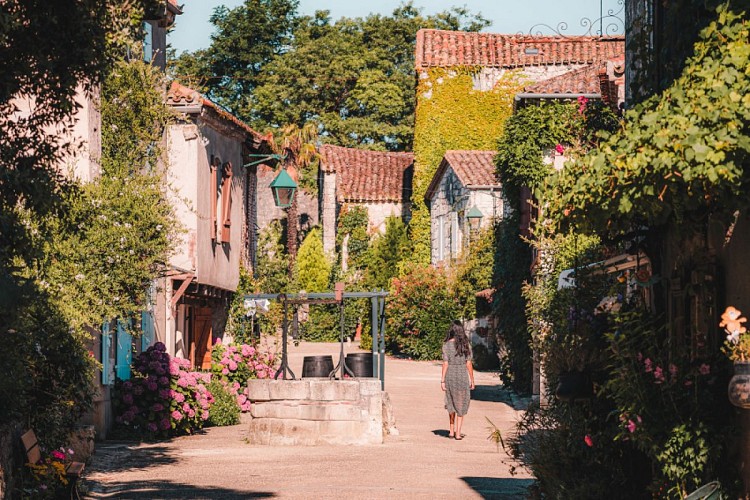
{"x":459,"y":438}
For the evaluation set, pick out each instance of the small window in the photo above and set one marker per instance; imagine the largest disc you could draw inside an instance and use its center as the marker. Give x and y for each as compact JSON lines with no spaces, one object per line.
{"x":226,"y":201}
{"x":148,"y":43}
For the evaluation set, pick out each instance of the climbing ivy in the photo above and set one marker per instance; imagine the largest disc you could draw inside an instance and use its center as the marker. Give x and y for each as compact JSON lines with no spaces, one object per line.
{"x":681,"y":151}
{"x":353,"y":221}
{"x":451,"y":114}
{"x":566,"y":128}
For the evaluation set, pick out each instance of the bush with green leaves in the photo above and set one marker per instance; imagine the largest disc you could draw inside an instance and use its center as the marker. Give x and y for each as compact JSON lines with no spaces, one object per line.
{"x":420,"y":310}
{"x":313,"y":268}
{"x":224,"y":410}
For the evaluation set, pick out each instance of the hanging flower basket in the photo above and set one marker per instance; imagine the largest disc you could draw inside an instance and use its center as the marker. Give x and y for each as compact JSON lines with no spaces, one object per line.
{"x":739,"y":385}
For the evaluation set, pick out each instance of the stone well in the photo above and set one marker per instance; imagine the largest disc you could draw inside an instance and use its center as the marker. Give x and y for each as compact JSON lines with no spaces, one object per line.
{"x":318,"y":411}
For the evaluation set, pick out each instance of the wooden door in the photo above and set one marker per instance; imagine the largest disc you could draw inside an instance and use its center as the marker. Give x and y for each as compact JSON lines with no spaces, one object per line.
{"x":203,"y":338}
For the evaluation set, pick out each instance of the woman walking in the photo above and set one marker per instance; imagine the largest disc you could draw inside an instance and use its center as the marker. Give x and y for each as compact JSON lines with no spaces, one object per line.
{"x":458,"y":377}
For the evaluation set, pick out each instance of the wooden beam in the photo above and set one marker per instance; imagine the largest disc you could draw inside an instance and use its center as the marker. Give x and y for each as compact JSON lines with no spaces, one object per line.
{"x":187,"y":278}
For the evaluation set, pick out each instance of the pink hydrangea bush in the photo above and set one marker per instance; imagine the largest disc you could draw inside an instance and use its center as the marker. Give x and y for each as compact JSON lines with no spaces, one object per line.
{"x":164,"y":398}
{"x":235,"y":364}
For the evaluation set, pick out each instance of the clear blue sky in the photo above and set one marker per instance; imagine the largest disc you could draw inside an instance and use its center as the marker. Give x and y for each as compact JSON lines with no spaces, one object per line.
{"x":193,"y":31}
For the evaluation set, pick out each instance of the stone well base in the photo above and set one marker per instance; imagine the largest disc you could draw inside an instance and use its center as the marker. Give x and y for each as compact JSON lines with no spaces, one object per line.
{"x":317,"y":411}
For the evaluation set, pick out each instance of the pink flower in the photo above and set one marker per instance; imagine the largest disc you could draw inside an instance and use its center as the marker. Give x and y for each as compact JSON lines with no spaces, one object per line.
{"x":179,"y":397}
{"x":247,"y":350}
{"x":631,"y":426}
{"x":559,"y":148}
{"x":704,"y":369}
{"x":648,"y":364}
{"x":659,"y":375}
{"x":217,"y":341}
{"x":589,"y":442}
{"x":58,"y":455}
{"x":224,"y":371}
{"x":176,"y":415}
{"x":232,"y":365}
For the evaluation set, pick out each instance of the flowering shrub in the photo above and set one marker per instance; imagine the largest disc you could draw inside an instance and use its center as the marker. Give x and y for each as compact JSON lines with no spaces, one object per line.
{"x":670,"y":404}
{"x":163,"y":398}
{"x":47,"y":478}
{"x":420,"y":310}
{"x":235,"y":364}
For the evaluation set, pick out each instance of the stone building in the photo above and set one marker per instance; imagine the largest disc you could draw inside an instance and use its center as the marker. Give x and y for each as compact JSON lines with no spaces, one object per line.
{"x":463,"y":186}
{"x":379,"y":181}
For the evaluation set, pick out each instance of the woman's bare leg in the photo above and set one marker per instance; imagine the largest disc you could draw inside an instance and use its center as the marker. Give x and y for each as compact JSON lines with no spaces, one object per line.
{"x":459,"y":422}
{"x":452,"y":420}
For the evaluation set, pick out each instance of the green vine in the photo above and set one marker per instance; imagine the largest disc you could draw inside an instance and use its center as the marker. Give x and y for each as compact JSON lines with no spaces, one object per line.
{"x":353,"y":221}
{"x":451,"y":114}
{"x":682,"y":151}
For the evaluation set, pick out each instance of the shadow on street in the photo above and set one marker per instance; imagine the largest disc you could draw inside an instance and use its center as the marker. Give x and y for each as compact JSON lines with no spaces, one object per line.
{"x":166,"y":489}
{"x":499,"y":487}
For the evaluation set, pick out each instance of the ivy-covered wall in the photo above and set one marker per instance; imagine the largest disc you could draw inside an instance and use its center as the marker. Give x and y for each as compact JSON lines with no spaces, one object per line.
{"x":451,"y":114}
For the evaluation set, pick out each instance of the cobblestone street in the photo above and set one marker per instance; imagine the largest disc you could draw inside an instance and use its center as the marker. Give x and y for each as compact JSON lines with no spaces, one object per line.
{"x":419,"y":462}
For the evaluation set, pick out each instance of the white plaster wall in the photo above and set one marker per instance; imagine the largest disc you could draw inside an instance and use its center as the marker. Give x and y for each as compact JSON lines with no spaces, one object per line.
{"x":218,"y":264}
{"x":190,"y":149}
{"x":83,"y":163}
{"x":182,"y":175}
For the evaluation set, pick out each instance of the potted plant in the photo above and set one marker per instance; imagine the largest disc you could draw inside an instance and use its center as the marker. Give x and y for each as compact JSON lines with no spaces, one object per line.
{"x":737,"y":347}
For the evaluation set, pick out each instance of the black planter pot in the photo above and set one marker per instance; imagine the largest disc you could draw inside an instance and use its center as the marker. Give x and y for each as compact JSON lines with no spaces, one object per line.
{"x":574,"y":386}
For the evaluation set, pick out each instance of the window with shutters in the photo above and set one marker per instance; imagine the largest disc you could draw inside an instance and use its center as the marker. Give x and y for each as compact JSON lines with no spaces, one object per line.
{"x":215,"y":163}
{"x":226,"y":201}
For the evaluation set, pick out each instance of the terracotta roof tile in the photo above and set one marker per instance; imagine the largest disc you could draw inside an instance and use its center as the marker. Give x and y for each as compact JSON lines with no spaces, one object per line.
{"x":583,"y":80}
{"x":181,"y":96}
{"x":440,"y":48}
{"x":363,"y":175}
{"x":473,"y":168}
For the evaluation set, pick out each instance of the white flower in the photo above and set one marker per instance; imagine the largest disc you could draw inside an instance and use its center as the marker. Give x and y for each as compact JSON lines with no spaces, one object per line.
{"x":79,"y":277}
{"x":131,"y":251}
{"x":158,"y":227}
{"x":733,"y":337}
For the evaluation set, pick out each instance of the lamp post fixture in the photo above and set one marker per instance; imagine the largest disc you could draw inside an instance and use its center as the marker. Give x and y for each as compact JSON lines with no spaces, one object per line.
{"x":475,"y":218}
{"x":283,"y":187}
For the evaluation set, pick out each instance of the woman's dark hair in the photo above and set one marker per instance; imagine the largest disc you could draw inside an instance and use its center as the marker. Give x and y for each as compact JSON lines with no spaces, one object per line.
{"x":456,"y":331}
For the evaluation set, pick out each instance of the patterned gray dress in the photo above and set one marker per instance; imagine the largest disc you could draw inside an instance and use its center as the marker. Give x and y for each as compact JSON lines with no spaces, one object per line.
{"x":457,"y":393}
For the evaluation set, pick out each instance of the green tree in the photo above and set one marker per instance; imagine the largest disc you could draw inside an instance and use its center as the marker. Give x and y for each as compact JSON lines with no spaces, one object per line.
{"x":313,"y":268}
{"x":245,"y":38}
{"x":386,"y":253}
{"x":353,"y":77}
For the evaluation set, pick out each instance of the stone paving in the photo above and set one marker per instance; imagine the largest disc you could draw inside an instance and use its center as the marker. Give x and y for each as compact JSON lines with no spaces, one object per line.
{"x":419,"y":462}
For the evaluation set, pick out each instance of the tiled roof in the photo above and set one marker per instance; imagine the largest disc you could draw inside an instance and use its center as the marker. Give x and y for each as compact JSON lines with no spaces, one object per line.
{"x":182,"y":96}
{"x":583,"y":80}
{"x":473,"y":168}
{"x":363,"y":175}
{"x":440,"y":48}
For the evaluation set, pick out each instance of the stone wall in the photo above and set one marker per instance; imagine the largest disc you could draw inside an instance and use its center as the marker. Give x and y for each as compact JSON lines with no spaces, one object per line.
{"x":318,"y":411}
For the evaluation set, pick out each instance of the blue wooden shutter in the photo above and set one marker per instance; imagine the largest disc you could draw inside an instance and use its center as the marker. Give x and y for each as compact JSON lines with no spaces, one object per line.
{"x":106,"y":343}
{"x":124,"y":354}
{"x":147,"y":330}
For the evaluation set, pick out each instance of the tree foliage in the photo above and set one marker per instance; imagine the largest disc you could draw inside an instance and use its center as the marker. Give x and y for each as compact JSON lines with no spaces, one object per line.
{"x":386,"y":254}
{"x":313,"y":268}
{"x":352,"y":77}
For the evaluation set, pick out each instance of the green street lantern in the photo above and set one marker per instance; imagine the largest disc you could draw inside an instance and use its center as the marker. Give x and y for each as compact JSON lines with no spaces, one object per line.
{"x":283,"y":187}
{"x":475,"y":218}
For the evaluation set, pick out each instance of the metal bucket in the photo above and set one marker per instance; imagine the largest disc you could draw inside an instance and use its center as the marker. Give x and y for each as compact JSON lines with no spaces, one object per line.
{"x":360,"y":363}
{"x":317,"y":366}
